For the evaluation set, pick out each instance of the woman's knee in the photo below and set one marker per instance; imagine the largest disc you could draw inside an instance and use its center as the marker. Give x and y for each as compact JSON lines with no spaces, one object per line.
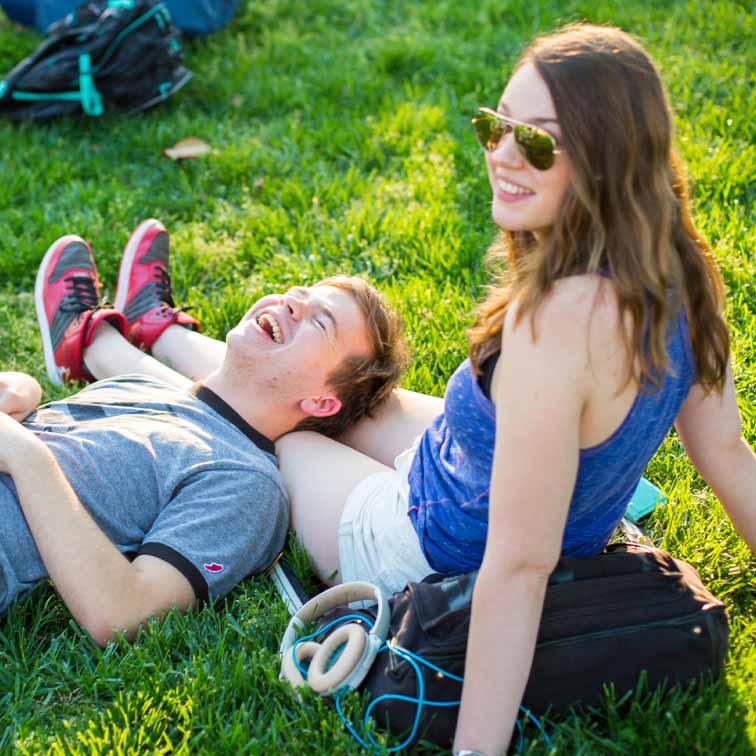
{"x":296,"y":440}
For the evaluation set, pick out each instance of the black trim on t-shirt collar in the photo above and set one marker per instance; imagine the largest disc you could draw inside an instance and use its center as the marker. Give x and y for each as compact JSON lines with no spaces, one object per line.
{"x":209,"y":397}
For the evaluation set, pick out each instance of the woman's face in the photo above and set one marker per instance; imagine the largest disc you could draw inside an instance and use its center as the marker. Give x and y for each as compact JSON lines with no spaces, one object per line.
{"x":524,"y":198}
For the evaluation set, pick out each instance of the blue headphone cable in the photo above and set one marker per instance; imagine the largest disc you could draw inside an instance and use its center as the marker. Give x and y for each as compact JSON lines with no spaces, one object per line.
{"x":415,"y":661}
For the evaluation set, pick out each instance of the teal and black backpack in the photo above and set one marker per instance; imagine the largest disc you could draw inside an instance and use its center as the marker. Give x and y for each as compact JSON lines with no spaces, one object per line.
{"x":112,"y":54}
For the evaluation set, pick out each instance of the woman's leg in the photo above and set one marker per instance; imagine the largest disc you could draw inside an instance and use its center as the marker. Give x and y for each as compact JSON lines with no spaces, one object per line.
{"x":395,"y":426}
{"x":319,"y":474}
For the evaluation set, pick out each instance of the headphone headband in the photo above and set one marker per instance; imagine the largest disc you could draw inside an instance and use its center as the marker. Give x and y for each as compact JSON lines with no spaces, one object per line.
{"x":359,"y":655}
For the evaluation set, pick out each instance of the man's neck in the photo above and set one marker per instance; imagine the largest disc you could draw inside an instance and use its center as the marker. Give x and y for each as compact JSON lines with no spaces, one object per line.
{"x":270,"y":419}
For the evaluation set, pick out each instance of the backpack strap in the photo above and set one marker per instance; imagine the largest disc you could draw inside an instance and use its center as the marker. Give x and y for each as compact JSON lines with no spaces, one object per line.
{"x":87,"y":94}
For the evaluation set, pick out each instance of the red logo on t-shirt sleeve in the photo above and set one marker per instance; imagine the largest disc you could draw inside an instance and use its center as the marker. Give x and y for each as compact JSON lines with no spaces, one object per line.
{"x":213,"y":567}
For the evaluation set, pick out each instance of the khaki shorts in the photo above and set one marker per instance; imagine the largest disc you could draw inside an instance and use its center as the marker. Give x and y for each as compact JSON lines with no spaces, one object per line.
{"x":377,"y":541}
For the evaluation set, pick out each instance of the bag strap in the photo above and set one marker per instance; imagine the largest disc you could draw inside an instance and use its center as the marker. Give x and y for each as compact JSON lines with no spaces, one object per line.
{"x":7,"y":85}
{"x":162,"y":19}
{"x":87,"y":94}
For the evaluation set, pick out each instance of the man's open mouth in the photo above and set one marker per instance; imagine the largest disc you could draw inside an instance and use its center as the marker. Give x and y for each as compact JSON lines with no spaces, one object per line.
{"x":270,"y":325}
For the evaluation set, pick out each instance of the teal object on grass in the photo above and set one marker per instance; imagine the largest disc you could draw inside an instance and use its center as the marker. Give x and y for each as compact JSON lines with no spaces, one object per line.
{"x":91,"y":100}
{"x":644,"y":500}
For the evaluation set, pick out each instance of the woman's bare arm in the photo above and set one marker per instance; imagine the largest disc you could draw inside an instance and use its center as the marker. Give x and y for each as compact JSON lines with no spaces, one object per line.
{"x":710,"y":429}
{"x":539,"y":390}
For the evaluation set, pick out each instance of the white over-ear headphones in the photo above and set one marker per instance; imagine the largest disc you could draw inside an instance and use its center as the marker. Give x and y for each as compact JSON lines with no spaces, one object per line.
{"x":359,"y":650}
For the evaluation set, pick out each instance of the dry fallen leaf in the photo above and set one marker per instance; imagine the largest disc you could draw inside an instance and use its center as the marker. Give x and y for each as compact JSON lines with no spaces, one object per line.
{"x":186,"y":149}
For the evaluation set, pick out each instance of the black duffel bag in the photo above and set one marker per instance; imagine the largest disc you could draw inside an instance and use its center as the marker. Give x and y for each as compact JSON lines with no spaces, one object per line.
{"x":605,"y":620}
{"x":121,"y":55}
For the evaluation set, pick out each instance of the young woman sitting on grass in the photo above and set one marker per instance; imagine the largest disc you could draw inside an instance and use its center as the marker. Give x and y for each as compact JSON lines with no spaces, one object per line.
{"x":605,"y":331}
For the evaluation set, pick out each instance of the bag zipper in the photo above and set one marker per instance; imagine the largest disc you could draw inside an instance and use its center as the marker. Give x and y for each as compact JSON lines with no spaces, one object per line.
{"x":697,"y":629}
{"x":397,"y":663}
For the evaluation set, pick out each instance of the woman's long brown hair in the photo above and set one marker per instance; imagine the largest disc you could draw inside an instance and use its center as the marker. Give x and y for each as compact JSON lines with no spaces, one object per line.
{"x":625,"y":214}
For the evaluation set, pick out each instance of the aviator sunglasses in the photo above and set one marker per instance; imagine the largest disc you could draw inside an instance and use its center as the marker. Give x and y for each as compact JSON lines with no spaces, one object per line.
{"x":537,"y":146}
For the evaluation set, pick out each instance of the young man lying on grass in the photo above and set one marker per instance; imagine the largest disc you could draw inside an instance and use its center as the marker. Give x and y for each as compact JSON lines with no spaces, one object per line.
{"x":142,"y":493}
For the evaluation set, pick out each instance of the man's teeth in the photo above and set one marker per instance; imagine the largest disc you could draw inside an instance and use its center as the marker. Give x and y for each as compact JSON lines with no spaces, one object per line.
{"x":272,"y":326}
{"x":505,"y":186}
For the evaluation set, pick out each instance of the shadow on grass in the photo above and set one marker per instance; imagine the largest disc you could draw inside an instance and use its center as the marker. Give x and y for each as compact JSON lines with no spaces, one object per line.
{"x":667,"y":721}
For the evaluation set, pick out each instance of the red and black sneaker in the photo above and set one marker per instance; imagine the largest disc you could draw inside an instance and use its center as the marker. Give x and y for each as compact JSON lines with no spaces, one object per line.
{"x":143,"y":293}
{"x":67,"y":295}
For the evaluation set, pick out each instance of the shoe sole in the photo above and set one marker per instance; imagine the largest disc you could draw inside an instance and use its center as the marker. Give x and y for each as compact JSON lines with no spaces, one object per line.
{"x":53,"y":371}
{"x":127,"y":261}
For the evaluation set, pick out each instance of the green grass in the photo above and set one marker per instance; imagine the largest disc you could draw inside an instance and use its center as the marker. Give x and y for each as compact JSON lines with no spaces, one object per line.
{"x":343,"y":145}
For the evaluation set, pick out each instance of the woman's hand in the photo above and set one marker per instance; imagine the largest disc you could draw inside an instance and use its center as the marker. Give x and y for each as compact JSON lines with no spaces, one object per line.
{"x":19,"y":394}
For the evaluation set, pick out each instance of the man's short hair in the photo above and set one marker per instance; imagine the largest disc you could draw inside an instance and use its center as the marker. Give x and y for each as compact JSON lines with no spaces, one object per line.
{"x":362,"y":383}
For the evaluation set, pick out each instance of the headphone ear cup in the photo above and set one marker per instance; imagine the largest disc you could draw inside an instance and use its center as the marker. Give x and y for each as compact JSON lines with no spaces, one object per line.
{"x":322,"y":681}
{"x":289,"y":670}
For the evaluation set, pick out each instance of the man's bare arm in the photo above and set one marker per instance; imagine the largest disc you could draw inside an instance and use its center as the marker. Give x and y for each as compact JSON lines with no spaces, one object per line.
{"x":110,"y":354}
{"x":105,"y":593}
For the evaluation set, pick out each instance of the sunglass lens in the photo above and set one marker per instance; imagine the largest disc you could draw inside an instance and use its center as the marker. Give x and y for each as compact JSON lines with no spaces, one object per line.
{"x":536,"y":146}
{"x":488,"y":131}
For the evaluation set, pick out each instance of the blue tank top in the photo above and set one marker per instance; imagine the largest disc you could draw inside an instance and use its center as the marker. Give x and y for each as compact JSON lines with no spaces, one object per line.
{"x":450,"y":475}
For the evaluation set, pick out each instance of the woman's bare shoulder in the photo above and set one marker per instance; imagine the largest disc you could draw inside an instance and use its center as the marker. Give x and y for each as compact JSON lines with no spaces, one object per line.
{"x":574,"y":306}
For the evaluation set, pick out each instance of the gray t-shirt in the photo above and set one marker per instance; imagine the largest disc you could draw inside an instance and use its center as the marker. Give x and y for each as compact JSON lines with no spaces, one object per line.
{"x":175,"y":474}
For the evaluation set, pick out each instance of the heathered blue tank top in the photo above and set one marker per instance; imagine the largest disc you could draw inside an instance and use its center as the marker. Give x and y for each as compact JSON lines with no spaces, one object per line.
{"x":451,"y":472}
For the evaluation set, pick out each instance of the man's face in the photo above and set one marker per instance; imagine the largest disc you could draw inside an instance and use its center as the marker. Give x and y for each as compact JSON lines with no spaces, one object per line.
{"x":289,"y":344}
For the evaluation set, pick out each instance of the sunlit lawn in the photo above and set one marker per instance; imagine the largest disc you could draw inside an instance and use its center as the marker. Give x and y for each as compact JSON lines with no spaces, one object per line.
{"x":343,"y":145}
